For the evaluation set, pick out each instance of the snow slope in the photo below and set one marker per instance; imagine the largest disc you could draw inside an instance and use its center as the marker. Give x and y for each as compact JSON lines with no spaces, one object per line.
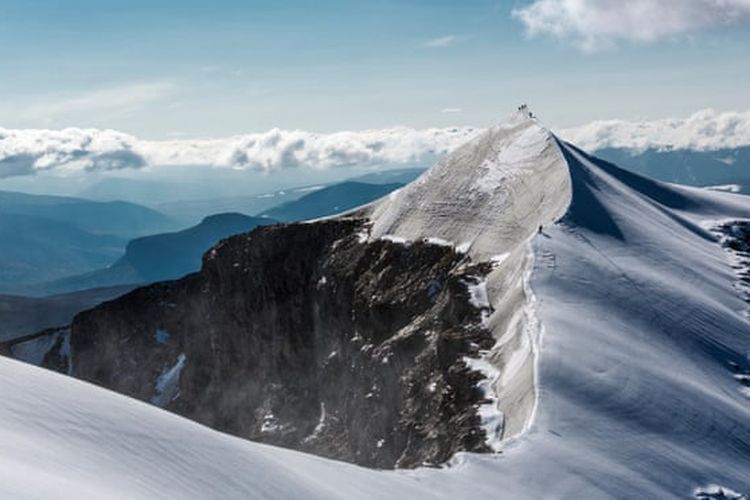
{"x":62,"y":438}
{"x":631,"y":395}
{"x":642,"y":322}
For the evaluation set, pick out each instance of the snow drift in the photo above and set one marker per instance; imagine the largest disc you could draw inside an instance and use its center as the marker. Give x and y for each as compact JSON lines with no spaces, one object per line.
{"x":629,"y":392}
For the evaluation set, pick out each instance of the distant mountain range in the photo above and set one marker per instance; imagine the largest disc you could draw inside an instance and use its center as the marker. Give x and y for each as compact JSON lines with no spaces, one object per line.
{"x":191,"y":212}
{"x":142,"y":191}
{"x":163,"y":256}
{"x":330,"y":200}
{"x":69,"y":244}
{"x":35,"y":249}
{"x":117,"y":218}
{"x":57,"y":244}
{"x":172,"y":255}
{"x":44,"y":238}
{"x":21,"y":316}
{"x":726,"y":167}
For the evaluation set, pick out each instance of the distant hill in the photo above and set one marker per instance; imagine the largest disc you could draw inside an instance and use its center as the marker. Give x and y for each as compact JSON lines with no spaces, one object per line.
{"x":330,"y":200}
{"x":142,"y":191}
{"x":393,"y":176}
{"x":683,"y":166}
{"x":172,"y":255}
{"x":35,"y":249}
{"x":118,"y":218}
{"x":193,"y":211}
{"x":21,"y":316}
{"x":163,"y":256}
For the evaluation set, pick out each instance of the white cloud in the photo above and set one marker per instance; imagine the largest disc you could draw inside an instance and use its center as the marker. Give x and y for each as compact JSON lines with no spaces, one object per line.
{"x":595,"y":24}
{"x":451,"y":110}
{"x":24,"y":152}
{"x":27,"y":151}
{"x":440,"y":42}
{"x":704,"y":130}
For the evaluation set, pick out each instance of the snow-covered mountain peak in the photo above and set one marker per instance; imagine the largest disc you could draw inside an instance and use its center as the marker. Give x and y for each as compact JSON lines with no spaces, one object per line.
{"x":488,"y":195}
{"x":517,"y":117}
{"x":489,"y":198}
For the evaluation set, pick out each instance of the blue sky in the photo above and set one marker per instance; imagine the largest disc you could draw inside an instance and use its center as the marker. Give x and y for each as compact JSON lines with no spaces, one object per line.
{"x":196,"y":69}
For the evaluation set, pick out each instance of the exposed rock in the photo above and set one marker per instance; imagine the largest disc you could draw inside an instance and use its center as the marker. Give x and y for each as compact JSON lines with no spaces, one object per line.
{"x":735,"y":238}
{"x":49,"y":348}
{"x":310,"y":337}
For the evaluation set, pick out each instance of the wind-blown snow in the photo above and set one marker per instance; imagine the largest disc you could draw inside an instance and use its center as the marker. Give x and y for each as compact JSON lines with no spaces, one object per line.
{"x":716,"y":492}
{"x":35,"y":350}
{"x":168,"y":384}
{"x":729,"y":188}
{"x":523,"y":151}
{"x":493,"y":420}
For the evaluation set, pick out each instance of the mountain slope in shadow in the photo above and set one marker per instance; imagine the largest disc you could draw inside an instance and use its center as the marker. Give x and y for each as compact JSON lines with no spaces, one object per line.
{"x":35,"y":249}
{"x":117,"y":218}
{"x":163,"y":256}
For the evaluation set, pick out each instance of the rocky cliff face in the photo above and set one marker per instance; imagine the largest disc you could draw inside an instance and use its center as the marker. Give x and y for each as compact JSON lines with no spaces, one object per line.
{"x":307,"y":336}
{"x":339,"y":337}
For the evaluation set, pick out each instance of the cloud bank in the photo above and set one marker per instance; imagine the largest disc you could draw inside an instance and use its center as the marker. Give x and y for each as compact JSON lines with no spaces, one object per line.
{"x":596,"y":24}
{"x":705,"y":130}
{"x":28,"y":151}
{"x":70,"y":150}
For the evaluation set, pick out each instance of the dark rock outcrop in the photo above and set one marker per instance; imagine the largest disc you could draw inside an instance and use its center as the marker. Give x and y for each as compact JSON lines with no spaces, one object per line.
{"x":735,"y":238}
{"x":306,"y":336}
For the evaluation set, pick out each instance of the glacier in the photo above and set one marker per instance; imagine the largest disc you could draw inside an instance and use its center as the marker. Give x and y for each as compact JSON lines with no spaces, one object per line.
{"x":617,"y":327}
